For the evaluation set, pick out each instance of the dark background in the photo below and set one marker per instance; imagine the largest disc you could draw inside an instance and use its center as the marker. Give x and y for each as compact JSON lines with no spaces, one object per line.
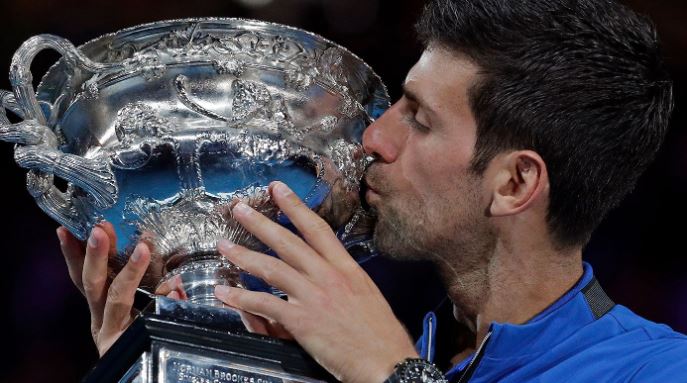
{"x":637,"y":253}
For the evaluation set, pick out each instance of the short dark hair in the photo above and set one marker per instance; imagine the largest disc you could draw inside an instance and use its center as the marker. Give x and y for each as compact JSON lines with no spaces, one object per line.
{"x":581,"y":82}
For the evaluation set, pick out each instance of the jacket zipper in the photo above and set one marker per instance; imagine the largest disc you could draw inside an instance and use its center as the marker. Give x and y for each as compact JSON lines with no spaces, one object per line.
{"x":467,"y":374}
{"x":430,"y":346}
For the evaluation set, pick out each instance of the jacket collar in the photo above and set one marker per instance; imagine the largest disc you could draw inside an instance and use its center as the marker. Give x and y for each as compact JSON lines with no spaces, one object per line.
{"x":581,"y":305}
{"x":539,"y":333}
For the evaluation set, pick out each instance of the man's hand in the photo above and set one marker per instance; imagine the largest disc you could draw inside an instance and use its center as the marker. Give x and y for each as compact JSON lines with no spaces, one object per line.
{"x":110,"y":304}
{"x":334,"y":310}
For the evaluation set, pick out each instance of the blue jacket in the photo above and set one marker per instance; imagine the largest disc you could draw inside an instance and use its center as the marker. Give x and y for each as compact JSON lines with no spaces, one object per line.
{"x":582,"y":337}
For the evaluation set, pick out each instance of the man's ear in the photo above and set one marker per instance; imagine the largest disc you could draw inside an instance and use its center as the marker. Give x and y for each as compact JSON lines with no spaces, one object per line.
{"x":519,"y":179}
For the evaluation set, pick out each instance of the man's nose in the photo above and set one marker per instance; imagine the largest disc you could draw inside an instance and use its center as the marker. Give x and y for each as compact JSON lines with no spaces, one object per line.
{"x":385,"y":137}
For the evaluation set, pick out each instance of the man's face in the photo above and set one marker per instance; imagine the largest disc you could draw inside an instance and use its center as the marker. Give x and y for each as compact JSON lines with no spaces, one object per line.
{"x":429,"y":203}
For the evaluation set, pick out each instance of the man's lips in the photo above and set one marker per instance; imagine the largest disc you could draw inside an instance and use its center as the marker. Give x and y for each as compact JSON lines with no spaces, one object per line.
{"x":370,"y":184}
{"x":370,"y":192}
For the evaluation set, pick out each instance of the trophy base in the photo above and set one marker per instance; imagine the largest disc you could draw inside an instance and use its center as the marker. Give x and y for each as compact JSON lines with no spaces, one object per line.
{"x":194,"y":344}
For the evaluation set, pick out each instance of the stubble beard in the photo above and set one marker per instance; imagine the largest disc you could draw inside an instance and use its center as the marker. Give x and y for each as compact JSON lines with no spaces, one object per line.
{"x":453,"y":231}
{"x":459,"y":241}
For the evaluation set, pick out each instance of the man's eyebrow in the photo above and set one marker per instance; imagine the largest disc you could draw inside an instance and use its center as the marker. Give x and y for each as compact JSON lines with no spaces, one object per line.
{"x":414,"y":97}
{"x":409,"y":94}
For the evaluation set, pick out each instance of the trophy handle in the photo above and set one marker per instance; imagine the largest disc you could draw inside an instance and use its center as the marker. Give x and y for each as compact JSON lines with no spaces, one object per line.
{"x":20,"y":70}
{"x":55,"y":203}
{"x":38,"y":150}
{"x":9,"y":102}
{"x":94,"y":176}
{"x":49,"y":198}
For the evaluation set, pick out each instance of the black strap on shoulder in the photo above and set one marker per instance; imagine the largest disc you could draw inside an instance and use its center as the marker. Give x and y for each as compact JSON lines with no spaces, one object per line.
{"x":597,"y":299}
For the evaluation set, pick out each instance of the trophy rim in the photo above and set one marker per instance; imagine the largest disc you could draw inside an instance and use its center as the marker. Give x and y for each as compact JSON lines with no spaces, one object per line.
{"x":381,"y":86}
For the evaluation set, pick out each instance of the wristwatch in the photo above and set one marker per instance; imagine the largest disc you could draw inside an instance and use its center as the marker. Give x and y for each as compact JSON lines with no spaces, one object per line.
{"x":414,"y":370}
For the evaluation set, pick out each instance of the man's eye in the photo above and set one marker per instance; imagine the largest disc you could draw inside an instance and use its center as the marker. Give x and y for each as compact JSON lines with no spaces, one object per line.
{"x":410,"y":119}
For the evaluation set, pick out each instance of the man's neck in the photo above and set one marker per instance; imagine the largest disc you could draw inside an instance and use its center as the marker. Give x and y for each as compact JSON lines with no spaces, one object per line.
{"x":513,"y":286}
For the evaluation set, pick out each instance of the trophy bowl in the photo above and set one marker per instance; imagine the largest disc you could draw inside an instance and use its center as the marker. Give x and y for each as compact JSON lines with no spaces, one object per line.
{"x":158,"y":130}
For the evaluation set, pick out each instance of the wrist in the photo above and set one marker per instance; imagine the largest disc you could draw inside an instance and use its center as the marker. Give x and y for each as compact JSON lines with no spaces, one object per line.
{"x":380,"y":369}
{"x":392,"y":362}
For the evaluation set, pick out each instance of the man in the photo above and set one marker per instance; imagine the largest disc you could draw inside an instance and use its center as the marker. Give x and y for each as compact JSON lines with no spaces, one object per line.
{"x":520,"y":127}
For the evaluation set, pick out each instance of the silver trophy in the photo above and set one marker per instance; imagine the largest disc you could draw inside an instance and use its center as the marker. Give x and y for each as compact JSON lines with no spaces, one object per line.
{"x":160,"y":129}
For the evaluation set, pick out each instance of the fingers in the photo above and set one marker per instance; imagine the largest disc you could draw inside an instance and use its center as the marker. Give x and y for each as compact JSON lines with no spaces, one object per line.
{"x":73,"y":252}
{"x":258,"y":303}
{"x":172,"y":288}
{"x":312,"y":227}
{"x":182,"y":293}
{"x":172,"y":284}
{"x":88,"y":268}
{"x":110,"y":231}
{"x":259,"y":325}
{"x":285,"y":243}
{"x":312,"y":258}
{"x":94,"y":274}
{"x":272,"y":270}
{"x":120,"y":295}
{"x":254,"y":323}
{"x":174,"y":295}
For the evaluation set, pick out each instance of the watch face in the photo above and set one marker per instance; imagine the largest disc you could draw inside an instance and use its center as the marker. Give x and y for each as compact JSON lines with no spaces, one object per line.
{"x":419,"y":371}
{"x":432,"y":374}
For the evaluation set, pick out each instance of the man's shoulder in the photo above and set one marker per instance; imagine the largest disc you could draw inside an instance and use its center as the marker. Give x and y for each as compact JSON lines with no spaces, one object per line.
{"x":652,"y":351}
{"x":628,"y":322}
{"x":619,"y":346}
{"x":669,"y":364}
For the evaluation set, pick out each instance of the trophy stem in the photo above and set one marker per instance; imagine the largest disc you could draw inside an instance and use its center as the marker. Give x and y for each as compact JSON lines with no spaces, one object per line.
{"x":201,"y":273}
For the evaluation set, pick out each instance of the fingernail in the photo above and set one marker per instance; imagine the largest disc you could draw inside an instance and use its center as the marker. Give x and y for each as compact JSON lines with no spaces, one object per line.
{"x":136,"y":255}
{"x":222,"y":291}
{"x":225,"y":245}
{"x":242,"y":209}
{"x":92,"y":240}
{"x":60,"y":236}
{"x":281,"y":189}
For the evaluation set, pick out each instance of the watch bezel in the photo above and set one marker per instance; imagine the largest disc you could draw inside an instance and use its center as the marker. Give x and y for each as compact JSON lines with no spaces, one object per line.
{"x":416,"y":370}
